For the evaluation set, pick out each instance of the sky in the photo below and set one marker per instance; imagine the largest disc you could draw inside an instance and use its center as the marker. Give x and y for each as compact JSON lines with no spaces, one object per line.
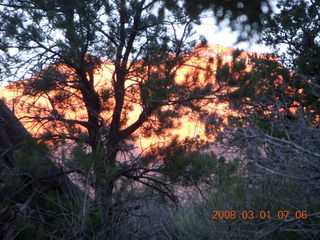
{"x":223,"y":35}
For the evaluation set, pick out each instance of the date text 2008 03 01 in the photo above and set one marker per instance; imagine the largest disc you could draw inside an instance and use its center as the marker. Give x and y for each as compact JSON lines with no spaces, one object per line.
{"x":263,"y":214}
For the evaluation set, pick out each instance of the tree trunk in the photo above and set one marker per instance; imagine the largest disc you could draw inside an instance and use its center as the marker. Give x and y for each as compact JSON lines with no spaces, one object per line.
{"x":12,"y":134}
{"x":18,"y":189}
{"x":12,"y":141}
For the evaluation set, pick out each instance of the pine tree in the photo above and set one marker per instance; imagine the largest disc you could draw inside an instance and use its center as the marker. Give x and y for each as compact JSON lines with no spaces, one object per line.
{"x":56,"y":50}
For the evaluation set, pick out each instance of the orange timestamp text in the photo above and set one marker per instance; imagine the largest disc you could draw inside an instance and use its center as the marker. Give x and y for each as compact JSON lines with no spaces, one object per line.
{"x":263,"y":214}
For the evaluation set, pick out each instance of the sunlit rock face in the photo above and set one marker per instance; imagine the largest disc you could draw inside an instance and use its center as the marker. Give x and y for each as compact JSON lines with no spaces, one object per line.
{"x":198,"y":70}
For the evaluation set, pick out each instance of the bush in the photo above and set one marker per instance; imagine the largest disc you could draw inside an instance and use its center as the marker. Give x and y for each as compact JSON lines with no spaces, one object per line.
{"x":276,"y":173}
